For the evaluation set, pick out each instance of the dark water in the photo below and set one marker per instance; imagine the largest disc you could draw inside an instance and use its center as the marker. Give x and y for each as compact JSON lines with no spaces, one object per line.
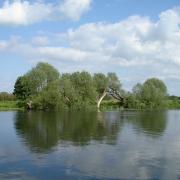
{"x":89,"y":145}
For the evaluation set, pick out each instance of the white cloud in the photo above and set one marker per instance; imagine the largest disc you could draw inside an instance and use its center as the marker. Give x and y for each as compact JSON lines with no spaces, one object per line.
{"x":73,"y":9}
{"x":66,"y":54}
{"x":23,"y":12}
{"x":135,"y":39}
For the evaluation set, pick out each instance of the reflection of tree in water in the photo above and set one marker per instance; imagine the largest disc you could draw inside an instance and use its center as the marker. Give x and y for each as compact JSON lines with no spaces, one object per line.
{"x":37,"y":131}
{"x":43,"y":130}
{"x":150,"y":122}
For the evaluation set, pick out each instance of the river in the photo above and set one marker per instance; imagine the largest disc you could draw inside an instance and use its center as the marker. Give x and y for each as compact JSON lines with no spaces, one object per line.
{"x":90,"y":145}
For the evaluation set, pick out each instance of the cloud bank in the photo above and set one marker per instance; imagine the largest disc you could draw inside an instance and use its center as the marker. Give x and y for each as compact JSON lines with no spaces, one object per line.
{"x":134,"y":41}
{"x":135,"y":47}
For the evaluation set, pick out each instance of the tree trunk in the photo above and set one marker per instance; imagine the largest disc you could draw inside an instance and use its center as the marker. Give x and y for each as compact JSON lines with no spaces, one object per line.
{"x":68,"y":101}
{"x":101,"y":98}
{"x":29,"y":104}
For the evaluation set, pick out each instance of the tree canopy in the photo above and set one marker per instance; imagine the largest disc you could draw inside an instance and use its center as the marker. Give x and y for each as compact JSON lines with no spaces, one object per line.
{"x":43,"y":87}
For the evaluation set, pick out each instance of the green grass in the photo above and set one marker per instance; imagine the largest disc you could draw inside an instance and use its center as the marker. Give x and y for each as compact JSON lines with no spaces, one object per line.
{"x":8,"y":105}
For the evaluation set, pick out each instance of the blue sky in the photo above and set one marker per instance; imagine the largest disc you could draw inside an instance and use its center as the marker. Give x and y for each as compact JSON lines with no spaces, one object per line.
{"x":137,"y":39}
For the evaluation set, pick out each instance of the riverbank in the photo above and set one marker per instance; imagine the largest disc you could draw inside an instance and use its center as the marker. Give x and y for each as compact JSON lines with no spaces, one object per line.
{"x":105,"y":105}
{"x":171,"y":103}
{"x":9,"y":105}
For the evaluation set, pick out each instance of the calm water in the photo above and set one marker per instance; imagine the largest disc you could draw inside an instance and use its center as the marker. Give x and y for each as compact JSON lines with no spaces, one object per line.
{"x":110,"y":145}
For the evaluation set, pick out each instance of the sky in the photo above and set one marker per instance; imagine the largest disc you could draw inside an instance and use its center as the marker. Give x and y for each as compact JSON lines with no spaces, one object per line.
{"x":136,"y":39}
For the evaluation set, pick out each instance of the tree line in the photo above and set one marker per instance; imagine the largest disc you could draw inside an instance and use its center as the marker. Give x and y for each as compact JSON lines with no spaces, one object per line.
{"x":43,"y":87}
{"x":4,"y":96}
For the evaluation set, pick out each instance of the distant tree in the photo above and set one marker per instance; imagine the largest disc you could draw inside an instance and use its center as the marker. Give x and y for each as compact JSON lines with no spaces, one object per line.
{"x":4,"y":96}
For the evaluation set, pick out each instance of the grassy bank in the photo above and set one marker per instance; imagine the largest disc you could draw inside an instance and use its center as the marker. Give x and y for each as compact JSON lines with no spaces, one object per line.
{"x":105,"y":105}
{"x":173,"y":104}
{"x":8,"y":105}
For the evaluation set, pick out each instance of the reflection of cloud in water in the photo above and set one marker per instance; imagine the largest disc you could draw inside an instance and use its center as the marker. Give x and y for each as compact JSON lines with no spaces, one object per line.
{"x":151,"y":123}
{"x":17,"y":175}
{"x":144,"y":144}
{"x":127,"y":156}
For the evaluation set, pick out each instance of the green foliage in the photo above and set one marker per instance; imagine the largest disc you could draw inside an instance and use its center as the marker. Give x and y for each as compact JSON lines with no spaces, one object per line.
{"x":46,"y":89}
{"x":67,"y":90}
{"x":132,"y":102}
{"x":40,"y":76}
{"x":48,"y":99}
{"x":150,"y":95}
{"x":101,"y":82}
{"x":154,"y":93}
{"x":78,"y":89}
{"x":35,"y":86}
{"x":22,"y":88}
{"x":113,"y":81}
{"x":35,"y":81}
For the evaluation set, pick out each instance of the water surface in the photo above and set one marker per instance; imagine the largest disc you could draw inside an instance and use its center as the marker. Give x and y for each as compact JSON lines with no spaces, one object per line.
{"x":90,"y":145}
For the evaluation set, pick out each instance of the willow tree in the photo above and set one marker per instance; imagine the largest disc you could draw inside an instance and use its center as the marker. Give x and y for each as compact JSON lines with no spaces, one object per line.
{"x":107,"y":85}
